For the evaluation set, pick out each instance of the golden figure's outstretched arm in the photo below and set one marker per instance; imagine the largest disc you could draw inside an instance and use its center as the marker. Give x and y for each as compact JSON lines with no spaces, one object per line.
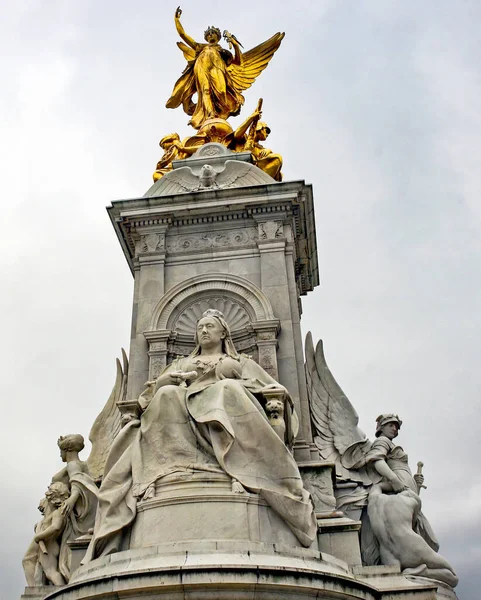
{"x":235,"y":45}
{"x":180,"y":30}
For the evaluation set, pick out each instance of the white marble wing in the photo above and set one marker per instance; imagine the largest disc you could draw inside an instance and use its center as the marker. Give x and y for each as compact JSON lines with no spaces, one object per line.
{"x":240,"y":174}
{"x":107,"y":424}
{"x":333,"y":416}
{"x":178,"y":181}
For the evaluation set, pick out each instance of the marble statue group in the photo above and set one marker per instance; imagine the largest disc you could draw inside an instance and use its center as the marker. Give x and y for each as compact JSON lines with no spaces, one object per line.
{"x":218,"y":411}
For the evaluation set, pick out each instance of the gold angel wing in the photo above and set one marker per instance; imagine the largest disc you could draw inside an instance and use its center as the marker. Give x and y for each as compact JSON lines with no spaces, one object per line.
{"x":187,"y":51}
{"x":107,"y":424}
{"x":254,"y":62}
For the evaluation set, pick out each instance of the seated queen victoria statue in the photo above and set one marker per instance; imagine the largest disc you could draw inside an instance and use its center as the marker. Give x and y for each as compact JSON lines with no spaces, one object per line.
{"x":204,"y":413}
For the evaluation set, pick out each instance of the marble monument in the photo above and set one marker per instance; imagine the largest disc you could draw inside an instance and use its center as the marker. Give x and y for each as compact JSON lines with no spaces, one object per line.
{"x":227,"y":462}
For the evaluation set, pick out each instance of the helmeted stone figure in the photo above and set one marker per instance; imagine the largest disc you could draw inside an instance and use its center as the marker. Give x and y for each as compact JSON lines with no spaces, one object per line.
{"x":394,"y":529}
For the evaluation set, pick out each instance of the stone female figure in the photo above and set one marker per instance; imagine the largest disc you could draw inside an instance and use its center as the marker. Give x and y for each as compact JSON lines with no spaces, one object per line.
{"x":203,"y":413}
{"x":80,"y":507}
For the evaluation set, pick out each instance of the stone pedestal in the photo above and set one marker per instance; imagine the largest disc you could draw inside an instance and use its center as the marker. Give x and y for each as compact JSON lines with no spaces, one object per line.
{"x":78,"y":548}
{"x":38,"y":592}
{"x":393,"y":584}
{"x":208,"y":570}
{"x":340,"y":537}
{"x":204,"y":507}
{"x":247,"y":250}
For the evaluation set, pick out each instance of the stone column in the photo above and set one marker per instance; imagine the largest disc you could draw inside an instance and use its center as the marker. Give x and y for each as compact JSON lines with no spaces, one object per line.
{"x":158,"y":347}
{"x":305,"y":431}
{"x":149,"y":287}
{"x":274,"y":283}
{"x":274,"y":235}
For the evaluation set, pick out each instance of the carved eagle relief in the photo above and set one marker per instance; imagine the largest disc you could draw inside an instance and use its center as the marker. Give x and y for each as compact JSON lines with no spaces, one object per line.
{"x":234,"y":174}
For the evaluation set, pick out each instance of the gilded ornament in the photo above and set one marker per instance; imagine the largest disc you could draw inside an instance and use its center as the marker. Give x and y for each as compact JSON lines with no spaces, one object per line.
{"x":218,"y":76}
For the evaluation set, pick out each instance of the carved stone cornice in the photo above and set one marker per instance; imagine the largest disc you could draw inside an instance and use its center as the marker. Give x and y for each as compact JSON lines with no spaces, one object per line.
{"x":289,"y":202}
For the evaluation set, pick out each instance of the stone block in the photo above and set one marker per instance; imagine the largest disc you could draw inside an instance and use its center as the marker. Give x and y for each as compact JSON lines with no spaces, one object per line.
{"x":206,"y":509}
{"x":78,"y":548}
{"x":38,"y":592}
{"x":340,"y":538}
{"x":318,"y":481}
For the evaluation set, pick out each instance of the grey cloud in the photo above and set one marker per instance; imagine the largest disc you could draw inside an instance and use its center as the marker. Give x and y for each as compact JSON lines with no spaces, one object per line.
{"x":376,"y":104}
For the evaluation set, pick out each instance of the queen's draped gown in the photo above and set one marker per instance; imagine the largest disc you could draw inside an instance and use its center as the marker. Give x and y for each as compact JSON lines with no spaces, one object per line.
{"x":214,"y":424}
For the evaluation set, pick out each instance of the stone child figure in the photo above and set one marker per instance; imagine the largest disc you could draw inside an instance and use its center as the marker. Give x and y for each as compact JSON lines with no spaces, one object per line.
{"x":203,"y":413}
{"x":80,"y":507}
{"x":48,"y":536}
{"x":33,"y":574}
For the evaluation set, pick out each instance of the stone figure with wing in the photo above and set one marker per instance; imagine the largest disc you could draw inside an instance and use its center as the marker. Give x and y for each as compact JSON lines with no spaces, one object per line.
{"x":374,"y":481}
{"x":216,"y":75}
{"x":70,"y":504}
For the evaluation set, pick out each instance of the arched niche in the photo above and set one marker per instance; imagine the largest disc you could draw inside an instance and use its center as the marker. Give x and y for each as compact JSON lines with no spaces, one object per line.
{"x":246,"y":308}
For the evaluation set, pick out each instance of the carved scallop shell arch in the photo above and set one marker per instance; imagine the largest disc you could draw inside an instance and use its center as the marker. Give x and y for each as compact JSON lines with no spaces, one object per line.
{"x":236,"y":315}
{"x":238,"y":290}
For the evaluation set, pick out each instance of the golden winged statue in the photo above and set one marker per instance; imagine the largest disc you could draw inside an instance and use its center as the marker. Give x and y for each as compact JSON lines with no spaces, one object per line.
{"x":217,"y":75}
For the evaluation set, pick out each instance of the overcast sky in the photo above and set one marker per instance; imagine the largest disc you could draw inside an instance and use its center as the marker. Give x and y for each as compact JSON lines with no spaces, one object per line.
{"x":377,"y":103}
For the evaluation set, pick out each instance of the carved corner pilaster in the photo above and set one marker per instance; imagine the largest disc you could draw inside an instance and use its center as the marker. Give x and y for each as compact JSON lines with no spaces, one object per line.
{"x":150,"y":244}
{"x":158,"y":342}
{"x":266,"y":340}
{"x":270,"y":231}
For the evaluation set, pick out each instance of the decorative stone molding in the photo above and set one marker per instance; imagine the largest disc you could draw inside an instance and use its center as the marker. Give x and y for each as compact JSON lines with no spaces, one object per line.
{"x":226,"y":284}
{"x":220,"y":239}
{"x":151,"y":242}
{"x":269,"y":230}
{"x":266,"y":341}
{"x":246,"y":308}
{"x":234,"y":313}
{"x":158,"y":348}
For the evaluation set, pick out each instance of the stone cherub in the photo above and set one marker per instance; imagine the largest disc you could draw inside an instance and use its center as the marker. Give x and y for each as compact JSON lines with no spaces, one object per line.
{"x":33,"y":573}
{"x":394,"y":529}
{"x":204,"y":412}
{"x":48,"y":535}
